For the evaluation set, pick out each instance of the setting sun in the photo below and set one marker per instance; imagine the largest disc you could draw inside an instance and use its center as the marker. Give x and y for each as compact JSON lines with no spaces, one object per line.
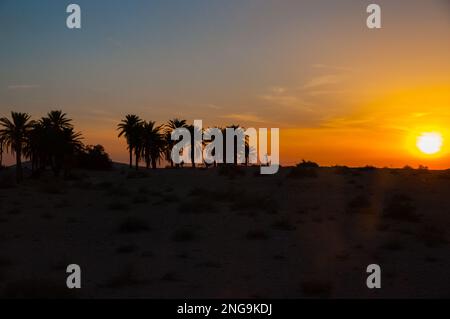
{"x":430,"y":143}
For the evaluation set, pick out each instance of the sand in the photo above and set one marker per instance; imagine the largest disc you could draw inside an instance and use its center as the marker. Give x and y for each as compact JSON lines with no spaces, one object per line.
{"x":197,"y":233}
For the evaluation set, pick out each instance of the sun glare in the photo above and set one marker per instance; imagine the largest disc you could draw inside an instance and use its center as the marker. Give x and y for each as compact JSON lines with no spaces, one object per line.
{"x":430,"y":143}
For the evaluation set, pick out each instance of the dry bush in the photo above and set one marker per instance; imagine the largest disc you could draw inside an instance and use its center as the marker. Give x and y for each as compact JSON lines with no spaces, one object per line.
{"x":400,"y":207}
{"x":301,"y":171}
{"x":257,"y":235}
{"x":183,"y":235}
{"x":118,"y":205}
{"x":37,"y":289}
{"x":7,"y":180}
{"x":283,"y":224}
{"x":359,"y":205}
{"x":317,"y":288}
{"x":133,"y":225}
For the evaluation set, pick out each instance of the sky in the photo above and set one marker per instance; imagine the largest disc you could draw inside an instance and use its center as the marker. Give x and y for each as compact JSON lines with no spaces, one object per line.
{"x":341,"y":94}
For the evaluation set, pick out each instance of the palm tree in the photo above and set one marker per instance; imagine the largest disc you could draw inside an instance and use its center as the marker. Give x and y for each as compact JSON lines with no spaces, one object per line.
{"x":129,"y":128}
{"x":14,"y":135}
{"x":1,"y":152}
{"x":195,"y":145}
{"x":58,"y":120}
{"x":71,"y":145}
{"x":152,"y":143}
{"x":170,"y":127}
{"x":56,"y":140}
{"x":235,"y":144}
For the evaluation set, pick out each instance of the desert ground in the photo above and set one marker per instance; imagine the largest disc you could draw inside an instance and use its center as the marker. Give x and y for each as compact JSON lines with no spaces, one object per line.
{"x":227,"y":233}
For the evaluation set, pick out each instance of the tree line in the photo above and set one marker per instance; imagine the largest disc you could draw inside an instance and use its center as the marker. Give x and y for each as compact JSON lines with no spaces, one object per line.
{"x":153,"y":143}
{"x":48,"y":142}
{"x":52,"y":142}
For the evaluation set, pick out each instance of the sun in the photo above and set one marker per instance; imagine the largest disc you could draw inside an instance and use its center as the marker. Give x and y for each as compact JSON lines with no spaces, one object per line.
{"x":430,"y":143}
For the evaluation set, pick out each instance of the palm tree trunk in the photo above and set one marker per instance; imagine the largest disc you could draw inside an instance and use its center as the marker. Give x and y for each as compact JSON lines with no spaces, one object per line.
{"x":19,"y":173}
{"x":131,"y":157}
{"x":1,"y":154}
{"x":137,"y":162}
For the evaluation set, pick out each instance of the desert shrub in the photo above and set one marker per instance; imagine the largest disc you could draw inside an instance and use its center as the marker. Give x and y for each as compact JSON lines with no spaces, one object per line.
{"x":317,"y":288}
{"x":62,"y":204}
{"x":137,"y":174}
{"x":81,"y":184}
{"x":359,"y":205}
{"x":53,"y":186}
{"x":284,"y":225}
{"x":14,"y":211}
{"x":444,"y":175}
{"x":216,"y":195}
{"x":342,"y":170}
{"x":117,"y":205}
{"x":432,"y":236}
{"x":143,"y":190}
{"x":5,"y":262}
{"x":257,"y":235}
{"x":251,"y":202}
{"x":104,"y":185}
{"x":305,"y":169}
{"x":307,"y":164}
{"x":183,"y":235}
{"x":133,"y":225}
{"x":37,"y":289}
{"x":7,"y":180}
{"x":170,"y":276}
{"x":400,"y":207}
{"x":367,"y":168}
{"x":94,"y":157}
{"x":118,"y":191}
{"x":127,"y":249}
{"x":127,"y":277}
{"x":392,"y":245}
{"x":231,"y":171}
{"x":196,"y":206}
{"x":140,"y":199}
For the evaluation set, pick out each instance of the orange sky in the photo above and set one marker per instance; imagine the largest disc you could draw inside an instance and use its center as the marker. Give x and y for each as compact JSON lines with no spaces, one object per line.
{"x":339,"y":92}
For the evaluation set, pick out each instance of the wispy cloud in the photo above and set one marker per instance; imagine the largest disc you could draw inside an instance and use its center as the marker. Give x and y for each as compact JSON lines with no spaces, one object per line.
{"x":23,"y":86}
{"x":285,"y":97}
{"x":246,"y":117}
{"x":322,"y":80}
{"x":213,"y":106}
{"x":331,"y":67}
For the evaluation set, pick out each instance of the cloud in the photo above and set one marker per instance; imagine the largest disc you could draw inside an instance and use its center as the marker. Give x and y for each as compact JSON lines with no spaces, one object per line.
{"x":281,"y":96}
{"x":247,"y":117}
{"x":23,"y":86}
{"x":213,"y":106}
{"x":322,"y":80}
{"x":331,"y":67}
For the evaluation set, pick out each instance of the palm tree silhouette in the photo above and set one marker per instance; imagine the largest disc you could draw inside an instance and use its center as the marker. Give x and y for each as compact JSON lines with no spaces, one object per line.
{"x":14,"y":135}
{"x":235,"y":145}
{"x":58,"y":120}
{"x":129,"y":128}
{"x":52,"y":141}
{"x":170,"y":127}
{"x":1,"y":152}
{"x":195,"y":145}
{"x":153,"y":143}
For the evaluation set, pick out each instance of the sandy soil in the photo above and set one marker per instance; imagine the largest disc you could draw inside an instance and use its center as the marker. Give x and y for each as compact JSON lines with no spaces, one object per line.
{"x":201,"y":234}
